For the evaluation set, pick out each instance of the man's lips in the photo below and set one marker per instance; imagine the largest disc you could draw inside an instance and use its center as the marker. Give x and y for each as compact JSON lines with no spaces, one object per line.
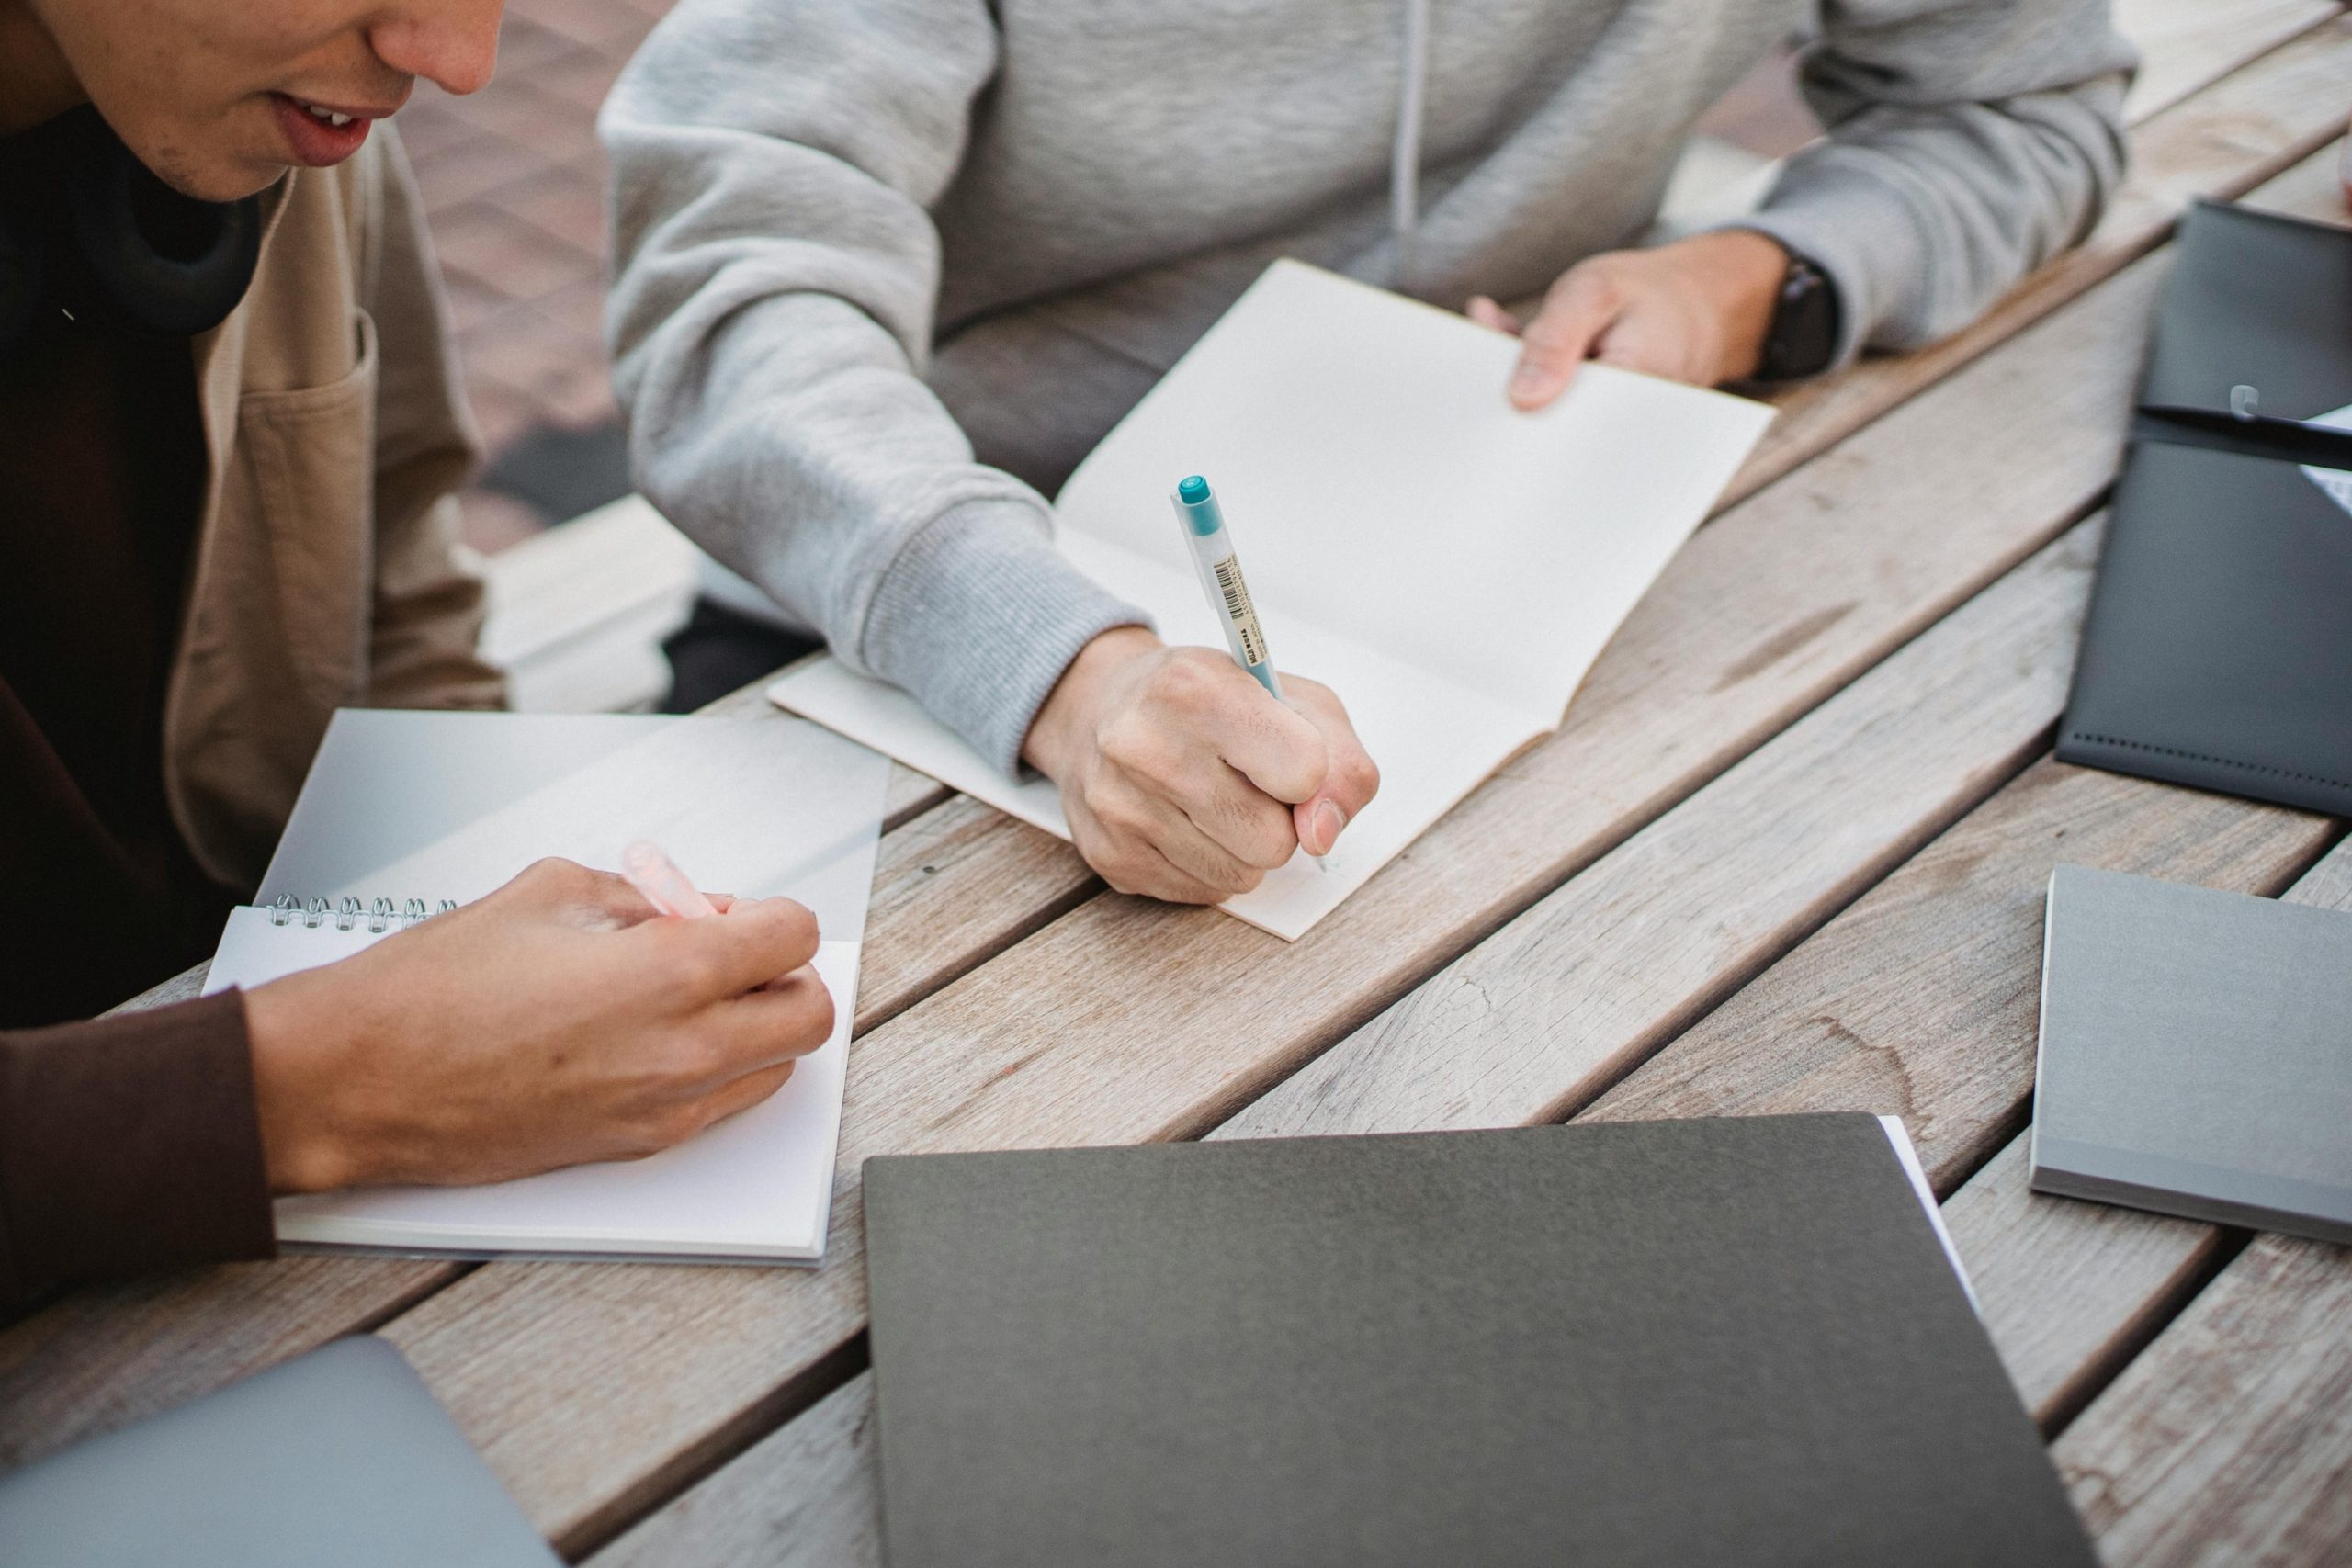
{"x":319,"y":142}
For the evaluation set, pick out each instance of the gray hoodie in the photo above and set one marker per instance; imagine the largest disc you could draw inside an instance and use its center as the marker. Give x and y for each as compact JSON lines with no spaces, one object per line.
{"x":887,"y":268}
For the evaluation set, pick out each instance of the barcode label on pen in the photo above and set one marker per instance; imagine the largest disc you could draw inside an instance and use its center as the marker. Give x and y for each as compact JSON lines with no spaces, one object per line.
{"x":1239,"y":611}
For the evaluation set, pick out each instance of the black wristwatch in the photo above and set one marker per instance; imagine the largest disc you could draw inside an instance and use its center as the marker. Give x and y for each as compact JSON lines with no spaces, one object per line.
{"x":1803,"y":335}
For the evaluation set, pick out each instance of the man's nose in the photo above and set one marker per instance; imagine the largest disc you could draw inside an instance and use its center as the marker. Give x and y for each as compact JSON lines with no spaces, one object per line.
{"x":453,"y":43}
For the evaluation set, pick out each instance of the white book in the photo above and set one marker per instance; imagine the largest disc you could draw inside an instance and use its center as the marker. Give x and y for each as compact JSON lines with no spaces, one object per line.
{"x":436,"y":808}
{"x":1449,"y":566}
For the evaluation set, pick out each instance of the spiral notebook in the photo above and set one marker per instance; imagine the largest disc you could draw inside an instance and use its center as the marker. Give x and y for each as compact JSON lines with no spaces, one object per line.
{"x":405,"y":815}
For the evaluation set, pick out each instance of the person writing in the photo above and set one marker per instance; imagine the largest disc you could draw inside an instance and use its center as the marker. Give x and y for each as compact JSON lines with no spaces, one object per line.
{"x":229,"y":433}
{"x":886,"y":269}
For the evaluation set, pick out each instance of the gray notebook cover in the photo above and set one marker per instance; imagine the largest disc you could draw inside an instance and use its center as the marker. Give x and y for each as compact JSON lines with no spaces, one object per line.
{"x":1679,"y":1343}
{"x":341,"y":1456}
{"x":2196,"y":1054}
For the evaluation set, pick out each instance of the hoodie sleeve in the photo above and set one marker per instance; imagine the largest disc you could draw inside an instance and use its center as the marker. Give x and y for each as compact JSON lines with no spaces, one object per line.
{"x":779,"y":274}
{"x":1968,"y":143}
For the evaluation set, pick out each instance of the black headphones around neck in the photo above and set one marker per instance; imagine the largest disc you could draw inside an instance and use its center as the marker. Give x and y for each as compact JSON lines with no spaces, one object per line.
{"x":85,"y":226}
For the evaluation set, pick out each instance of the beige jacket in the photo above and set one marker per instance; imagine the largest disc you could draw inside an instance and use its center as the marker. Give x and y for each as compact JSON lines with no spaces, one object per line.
{"x":325,"y":571}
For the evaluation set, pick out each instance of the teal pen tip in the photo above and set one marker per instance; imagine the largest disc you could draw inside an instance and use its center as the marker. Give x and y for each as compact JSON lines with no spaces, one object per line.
{"x":1194,"y":490}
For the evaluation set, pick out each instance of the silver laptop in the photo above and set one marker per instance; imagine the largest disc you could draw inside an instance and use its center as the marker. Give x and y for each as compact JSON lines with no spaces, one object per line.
{"x":339,"y":1457}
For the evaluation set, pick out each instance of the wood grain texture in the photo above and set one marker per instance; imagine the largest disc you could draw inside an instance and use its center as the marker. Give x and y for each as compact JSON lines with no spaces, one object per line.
{"x":2233,"y":135}
{"x":1559,"y":1002}
{"x":806,"y":1495}
{"x":2181,"y":42}
{"x":1124,"y":1020}
{"x":2229,"y":1440}
{"x":952,"y":888}
{"x":107,"y":1355}
{"x":1921,"y":1000}
{"x":2070,"y":1289}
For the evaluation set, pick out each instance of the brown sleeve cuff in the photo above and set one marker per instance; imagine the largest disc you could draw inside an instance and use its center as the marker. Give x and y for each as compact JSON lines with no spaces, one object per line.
{"x":128,"y":1144}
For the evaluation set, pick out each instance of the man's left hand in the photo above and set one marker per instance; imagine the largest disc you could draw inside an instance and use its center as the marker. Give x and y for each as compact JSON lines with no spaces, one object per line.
{"x":1697,"y":310}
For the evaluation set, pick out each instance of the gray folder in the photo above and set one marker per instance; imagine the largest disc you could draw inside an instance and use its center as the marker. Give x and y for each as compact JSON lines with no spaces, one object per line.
{"x":1681,"y":1343}
{"x":2196,"y":1054}
{"x":2218,"y":646}
{"x":341,"y":1456}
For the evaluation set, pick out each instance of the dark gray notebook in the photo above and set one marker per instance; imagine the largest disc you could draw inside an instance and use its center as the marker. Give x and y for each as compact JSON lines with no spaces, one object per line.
{"x":2196,"y":1054}
{"x":1734,"y":1341}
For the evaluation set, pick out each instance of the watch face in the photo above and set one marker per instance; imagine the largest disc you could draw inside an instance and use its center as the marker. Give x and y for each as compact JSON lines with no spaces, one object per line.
{"x":1804,"y":338}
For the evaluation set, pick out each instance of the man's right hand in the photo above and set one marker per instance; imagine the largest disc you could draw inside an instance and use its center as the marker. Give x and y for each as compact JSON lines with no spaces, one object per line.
{"x":1182,"y":779}
{"x":557,"y":1021}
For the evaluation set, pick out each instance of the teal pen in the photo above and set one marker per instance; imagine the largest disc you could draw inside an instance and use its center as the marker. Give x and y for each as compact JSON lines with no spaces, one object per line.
{"x":1220,"y":571}
{"x":1219,"y":567}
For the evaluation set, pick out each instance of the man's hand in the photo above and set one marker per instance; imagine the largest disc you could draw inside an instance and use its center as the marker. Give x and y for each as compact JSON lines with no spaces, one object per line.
{"x":1694,"y":310}
{"x":1182,"y":779}
{"x":556,"y":1022}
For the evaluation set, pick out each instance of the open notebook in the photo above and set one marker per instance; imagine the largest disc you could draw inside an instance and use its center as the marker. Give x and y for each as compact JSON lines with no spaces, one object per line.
{"x":1451,"y":567}
{"x":405,"y":811}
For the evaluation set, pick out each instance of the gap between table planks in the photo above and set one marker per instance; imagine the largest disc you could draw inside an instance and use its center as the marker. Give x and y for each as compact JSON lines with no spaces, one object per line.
{"x":286,"y":1322}
{"x":2229,"y":1440}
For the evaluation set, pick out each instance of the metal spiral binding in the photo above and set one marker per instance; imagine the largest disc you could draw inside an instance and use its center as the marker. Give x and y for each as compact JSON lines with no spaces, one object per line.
{"x":380,"y":915}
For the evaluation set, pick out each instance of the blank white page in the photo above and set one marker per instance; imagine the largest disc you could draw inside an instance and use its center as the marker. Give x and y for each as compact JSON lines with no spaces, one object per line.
{"x":1380,"y":487}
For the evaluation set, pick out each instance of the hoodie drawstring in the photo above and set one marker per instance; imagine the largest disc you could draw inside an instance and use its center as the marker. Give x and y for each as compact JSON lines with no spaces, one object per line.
{"x":1405,"y":159}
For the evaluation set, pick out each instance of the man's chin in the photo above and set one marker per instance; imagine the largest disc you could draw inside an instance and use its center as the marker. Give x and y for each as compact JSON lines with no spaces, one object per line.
{"x":211,"y":175}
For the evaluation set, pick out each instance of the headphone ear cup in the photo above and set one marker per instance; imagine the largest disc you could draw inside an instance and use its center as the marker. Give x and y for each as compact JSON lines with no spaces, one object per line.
{"x":159,"y":260}
{"x":20,"y":283}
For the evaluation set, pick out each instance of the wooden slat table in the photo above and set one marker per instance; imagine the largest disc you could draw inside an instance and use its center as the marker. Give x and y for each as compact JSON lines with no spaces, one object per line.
{"x":1787,"y":853}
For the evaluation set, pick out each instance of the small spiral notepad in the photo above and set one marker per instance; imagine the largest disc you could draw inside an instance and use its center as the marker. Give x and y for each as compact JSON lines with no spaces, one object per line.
{"x":407,"y":816}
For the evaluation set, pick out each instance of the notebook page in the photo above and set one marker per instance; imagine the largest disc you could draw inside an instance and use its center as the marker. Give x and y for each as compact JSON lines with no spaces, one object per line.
{"x":758,"y":1185}
{"x":1379,"y":486}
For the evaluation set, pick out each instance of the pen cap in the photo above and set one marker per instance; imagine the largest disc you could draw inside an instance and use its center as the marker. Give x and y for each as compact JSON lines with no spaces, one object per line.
{"x":1198,"y":507}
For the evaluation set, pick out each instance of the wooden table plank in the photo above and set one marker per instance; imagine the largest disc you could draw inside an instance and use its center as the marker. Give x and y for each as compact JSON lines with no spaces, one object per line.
{"x":1551,"y":1008}
{"x":2072,"y":1290}
{"x":1921,"y":1000}
{"x":101,"y":1357}
{"x":807,"y":1496}
{"x":2229,"y":1440}
{"x":2181,"y":41}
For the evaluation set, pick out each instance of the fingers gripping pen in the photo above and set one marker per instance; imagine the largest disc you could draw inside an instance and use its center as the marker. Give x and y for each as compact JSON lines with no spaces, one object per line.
{"x":1219,"y":567}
